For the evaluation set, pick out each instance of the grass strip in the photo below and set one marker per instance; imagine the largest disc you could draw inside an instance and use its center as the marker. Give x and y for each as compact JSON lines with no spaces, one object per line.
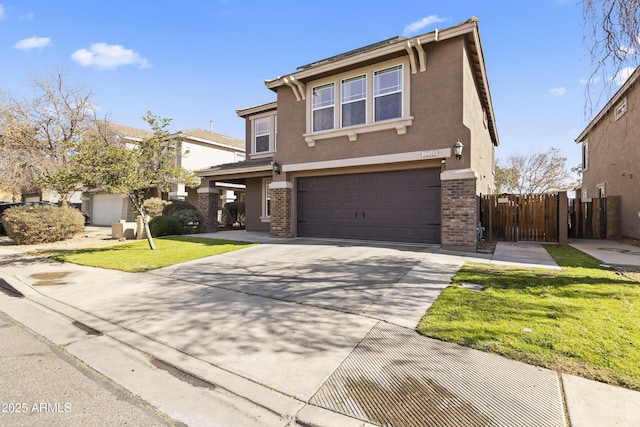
{"x":583,"y":320}
{"x":137,"y":257}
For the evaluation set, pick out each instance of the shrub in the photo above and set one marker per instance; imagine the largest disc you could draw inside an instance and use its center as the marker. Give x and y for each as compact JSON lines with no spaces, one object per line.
{"x":154,"y":206}
{"x":178,"y":205}
{"x":164,"y":225}
{"x":232,"y":212}
{"x":31,"y":224}
{"x":189,"y":221}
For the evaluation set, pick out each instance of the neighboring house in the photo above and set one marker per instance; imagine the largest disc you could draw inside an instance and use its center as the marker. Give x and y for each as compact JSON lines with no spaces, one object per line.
{"x":360,"y":145}
{"x":200,"y":148}
{"x":611,"y":155}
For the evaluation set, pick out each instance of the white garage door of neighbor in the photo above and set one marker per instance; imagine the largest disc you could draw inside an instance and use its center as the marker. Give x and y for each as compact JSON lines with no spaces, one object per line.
{"x":107,"y":209}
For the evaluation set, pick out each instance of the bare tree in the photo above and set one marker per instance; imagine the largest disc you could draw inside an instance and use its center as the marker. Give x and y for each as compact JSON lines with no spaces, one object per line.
{"x":534,"y":174}
{"x":40,"y":135}
{"x":612,"y":35}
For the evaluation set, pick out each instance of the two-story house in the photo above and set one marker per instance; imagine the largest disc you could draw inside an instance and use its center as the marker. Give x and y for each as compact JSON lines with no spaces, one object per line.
{"x":611,"y":157}
{"x":361,"y":145}
{"x":200,"y":148}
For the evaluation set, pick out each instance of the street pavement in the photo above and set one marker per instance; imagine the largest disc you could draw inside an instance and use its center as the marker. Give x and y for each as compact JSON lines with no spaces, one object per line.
{"x":296,"y":332}
{"x":41,"y":385}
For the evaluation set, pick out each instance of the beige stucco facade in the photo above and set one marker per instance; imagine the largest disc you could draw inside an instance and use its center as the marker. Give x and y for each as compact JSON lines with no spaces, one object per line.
{"x":611,"y":155}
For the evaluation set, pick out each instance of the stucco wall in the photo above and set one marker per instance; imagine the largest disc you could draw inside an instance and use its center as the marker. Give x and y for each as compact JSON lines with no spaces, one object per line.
{"x":253,"y":206}
{"x":435,"y":103}
{"x":200,"y":156}
{"x":479,"y":146}
{"x":614,"y":160}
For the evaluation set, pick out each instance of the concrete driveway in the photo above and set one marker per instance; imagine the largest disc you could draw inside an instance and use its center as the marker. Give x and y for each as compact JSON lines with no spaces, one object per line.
{"x":295,"y":327}
{"x":273,"y":313}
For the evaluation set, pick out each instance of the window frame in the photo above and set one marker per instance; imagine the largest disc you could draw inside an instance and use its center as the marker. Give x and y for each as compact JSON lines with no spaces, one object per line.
{"x":370,"y":125}
{"x":323,"y":107}
{"x":353,"y":101}
{"x":273,"y":135}
{"x":585,"y":156}
{"x":266,"y":200}
{"x":386,"y":93}
{"x":621,"y":108}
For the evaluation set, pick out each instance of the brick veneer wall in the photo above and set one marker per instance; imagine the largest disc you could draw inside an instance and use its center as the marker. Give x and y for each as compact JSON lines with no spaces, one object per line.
{"x":459,"y":214}
{"x":208,"y":201}
{"x":281,"y":212}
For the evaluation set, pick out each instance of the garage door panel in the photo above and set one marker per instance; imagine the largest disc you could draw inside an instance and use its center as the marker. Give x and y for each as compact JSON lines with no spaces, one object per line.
{"x":397,"y":206}
{"x":106,"y":208}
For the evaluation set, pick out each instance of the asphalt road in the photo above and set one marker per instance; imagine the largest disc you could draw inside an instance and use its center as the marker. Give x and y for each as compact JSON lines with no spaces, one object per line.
{"x":42,"y":385}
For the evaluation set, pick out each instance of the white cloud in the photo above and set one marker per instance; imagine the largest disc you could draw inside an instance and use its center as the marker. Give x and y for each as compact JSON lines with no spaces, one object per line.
{"x":33,"y":43}
{"x":558,"y":91}
{"x":108,"y":56}
{"x":622,"y":75}
{"x":3,"y":12}
{"x":416,"y":26}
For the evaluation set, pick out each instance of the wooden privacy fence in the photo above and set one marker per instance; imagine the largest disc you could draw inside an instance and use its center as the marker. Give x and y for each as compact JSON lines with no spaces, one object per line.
{"x":511,"y":217}
{"x":588,"y":218}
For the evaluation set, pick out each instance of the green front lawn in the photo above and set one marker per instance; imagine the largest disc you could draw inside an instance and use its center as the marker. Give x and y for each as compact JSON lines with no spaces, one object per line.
{"x":137,"y":257}
{"x":583,"y":320}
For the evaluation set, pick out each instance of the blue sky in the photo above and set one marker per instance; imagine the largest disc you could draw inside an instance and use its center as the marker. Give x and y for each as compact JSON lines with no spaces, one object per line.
{"x":196,"y":61}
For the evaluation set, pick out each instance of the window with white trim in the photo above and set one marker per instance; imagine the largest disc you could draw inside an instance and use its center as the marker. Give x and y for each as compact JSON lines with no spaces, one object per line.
{"x":387,"y":93}
{"x":585,"y":155}
{"x":266,"y":200}
{"x":354,"y":101}
{"x":264,"y":135}
{"x":600,"y":191}
{"x":323,"y":107}
{"x":368,"y":99}
{"x":621,"y":108}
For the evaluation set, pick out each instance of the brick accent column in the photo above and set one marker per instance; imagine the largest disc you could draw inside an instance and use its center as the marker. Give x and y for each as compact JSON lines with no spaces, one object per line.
{"x":459,"y":210}
{"x":208,"y":198}
{"x":281,"y":213}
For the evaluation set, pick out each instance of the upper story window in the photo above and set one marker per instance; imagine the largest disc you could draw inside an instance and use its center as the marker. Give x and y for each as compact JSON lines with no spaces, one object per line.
{"x":388,"y":93}
{"x":368,"y":99}
{"x":621,"y":108}
{"x":585,"y":155}
{"x":264,"y":135}
{"x":323,"y":107}
{"x":354,"y":101}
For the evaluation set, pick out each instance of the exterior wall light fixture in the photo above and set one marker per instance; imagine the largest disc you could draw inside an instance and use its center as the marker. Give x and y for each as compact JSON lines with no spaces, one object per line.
{"x":457,"y":149}
{"x":276,"y":167}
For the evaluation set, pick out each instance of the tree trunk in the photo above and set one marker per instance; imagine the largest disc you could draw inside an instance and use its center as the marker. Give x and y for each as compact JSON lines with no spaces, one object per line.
{"x":145,"y":220}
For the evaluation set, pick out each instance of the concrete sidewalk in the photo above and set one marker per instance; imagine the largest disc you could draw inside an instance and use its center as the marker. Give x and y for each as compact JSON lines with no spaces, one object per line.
{"x":609,"y":252}
{"x":291,"y":333}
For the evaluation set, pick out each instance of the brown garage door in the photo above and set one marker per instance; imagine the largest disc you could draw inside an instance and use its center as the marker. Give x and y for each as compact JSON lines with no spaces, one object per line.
{"x":400,"y":206}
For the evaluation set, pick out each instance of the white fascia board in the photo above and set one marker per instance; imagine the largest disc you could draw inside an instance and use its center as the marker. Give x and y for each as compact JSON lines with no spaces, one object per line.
{"x":411,"y":156}
{"x":219,"y":172}
{"x":256,"y":109}
{"x":185,"y":137}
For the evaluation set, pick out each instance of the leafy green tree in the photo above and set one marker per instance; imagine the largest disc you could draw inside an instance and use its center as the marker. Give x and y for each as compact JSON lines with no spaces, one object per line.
{"x":134,"y":171}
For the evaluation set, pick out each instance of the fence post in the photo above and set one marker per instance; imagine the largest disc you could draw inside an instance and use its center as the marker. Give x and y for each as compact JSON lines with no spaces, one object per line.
{"x":563,"y":220}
